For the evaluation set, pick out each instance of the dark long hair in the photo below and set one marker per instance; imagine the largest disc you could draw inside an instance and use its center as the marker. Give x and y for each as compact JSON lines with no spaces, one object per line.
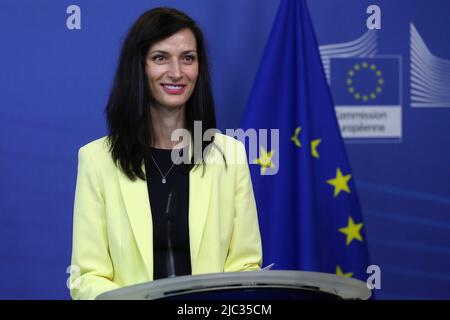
{"x":127,"y":111}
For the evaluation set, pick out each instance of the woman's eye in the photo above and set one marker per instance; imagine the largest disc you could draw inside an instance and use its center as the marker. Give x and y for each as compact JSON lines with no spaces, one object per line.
{"x":189,"y":59}
{"x":158,"y":58}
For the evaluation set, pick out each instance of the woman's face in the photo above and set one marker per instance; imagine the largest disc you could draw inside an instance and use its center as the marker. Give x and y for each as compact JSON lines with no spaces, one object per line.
{"x":172,"y":69}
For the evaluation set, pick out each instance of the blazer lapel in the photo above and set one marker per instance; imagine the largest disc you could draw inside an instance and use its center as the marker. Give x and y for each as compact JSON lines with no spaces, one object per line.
{"x":199,"y":198}
{"x":136,"y":199}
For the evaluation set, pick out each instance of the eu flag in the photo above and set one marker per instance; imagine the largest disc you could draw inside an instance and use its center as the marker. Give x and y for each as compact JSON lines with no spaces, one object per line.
{"x":309,"y":213}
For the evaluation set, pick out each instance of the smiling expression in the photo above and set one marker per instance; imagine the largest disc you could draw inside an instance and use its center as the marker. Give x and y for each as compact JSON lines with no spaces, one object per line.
{"x":172,"y":69}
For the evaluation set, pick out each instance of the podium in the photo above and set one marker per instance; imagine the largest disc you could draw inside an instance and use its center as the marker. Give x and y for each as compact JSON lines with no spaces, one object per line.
{"x":248,"y":285}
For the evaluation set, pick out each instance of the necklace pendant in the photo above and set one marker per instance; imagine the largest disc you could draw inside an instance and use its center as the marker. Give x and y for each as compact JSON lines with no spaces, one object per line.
{"x":163,"y":180}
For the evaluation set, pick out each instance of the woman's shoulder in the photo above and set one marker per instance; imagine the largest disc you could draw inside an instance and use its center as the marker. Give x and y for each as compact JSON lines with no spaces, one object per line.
{"x":224,"y":139}
{"x":232,"y":148}
{"x":228,"y":142}
{"x":97,"y":149}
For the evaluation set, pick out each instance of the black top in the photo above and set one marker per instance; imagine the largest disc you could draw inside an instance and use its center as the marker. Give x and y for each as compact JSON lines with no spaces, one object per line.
{"x":177,"y":184}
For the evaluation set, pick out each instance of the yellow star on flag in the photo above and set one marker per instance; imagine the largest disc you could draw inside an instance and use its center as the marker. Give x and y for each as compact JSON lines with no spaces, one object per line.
{"x":352,"y":231}
{"x":264,"y":160}
{"x":339,"y":272}
{"x":294,"y":138}
{"x":314,"y":145}
{"x":340,"y":183}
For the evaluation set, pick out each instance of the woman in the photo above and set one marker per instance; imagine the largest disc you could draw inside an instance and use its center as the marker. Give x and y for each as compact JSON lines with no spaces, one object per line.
{"x":139,"y":215}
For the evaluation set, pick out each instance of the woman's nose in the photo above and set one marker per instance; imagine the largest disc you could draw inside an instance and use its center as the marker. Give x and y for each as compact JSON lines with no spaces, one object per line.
{"x":174,"y":70}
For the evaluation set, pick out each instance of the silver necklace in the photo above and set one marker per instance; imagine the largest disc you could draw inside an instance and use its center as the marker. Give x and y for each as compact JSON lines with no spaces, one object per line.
{"x":163,"y":176}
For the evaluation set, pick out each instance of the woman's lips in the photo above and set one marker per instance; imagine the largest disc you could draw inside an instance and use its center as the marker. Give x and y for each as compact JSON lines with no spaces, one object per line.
{"x":173,"y":88}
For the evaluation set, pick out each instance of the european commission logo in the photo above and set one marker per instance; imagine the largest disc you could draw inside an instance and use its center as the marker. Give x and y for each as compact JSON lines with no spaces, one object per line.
{"x":367,"y":87}
{"x":367,"y":96}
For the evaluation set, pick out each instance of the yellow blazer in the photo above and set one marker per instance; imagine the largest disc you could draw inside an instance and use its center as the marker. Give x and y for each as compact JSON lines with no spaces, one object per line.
{"x":112,"y":224}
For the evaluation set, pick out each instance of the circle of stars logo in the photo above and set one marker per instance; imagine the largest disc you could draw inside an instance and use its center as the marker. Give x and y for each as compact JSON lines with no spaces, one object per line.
{"x":358,"y":68}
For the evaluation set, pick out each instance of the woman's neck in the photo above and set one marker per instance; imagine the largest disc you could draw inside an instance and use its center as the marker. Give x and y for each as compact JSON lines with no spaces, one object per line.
{"x":164,"y":122}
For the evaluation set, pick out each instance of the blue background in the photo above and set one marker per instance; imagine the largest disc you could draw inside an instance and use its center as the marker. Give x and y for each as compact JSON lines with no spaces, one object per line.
{"x":54,"y":83}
